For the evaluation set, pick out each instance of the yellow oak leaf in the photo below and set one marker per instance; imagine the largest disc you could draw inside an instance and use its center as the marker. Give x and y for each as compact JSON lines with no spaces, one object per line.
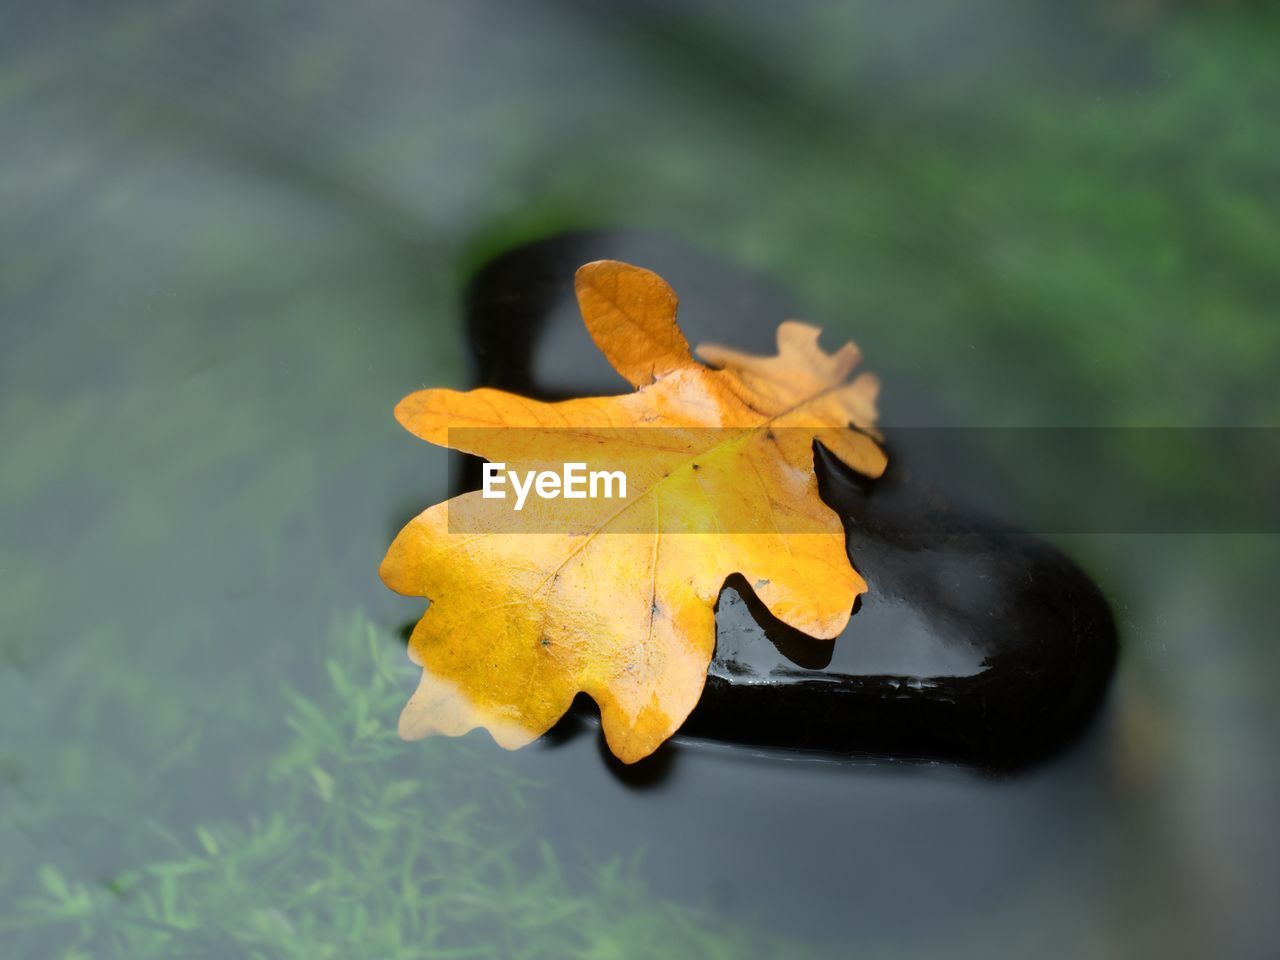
{"x":617,"y":598}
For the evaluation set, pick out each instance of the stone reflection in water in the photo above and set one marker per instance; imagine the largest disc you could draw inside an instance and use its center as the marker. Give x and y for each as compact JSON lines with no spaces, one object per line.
{"x":975,"y":643}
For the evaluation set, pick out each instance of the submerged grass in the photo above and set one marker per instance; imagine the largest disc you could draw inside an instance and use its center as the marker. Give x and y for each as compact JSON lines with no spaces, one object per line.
{"x":355,"y":844}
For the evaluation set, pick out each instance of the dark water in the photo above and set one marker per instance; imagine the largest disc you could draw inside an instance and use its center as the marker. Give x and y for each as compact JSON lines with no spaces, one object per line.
{"x":234,"y":235}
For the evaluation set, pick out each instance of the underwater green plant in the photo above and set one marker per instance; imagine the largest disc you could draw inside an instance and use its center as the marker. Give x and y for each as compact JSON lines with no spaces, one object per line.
{"x":359,"y":846}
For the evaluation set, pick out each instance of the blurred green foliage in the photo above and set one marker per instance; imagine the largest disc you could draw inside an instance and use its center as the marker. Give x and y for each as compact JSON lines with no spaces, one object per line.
{"x":355,"y":844}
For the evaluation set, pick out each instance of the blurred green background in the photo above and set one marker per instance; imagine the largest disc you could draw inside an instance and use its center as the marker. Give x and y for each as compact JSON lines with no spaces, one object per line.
{"x":232,"y":235}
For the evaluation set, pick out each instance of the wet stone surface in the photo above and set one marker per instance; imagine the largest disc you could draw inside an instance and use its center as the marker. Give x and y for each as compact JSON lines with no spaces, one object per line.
{"x":975,"y":642}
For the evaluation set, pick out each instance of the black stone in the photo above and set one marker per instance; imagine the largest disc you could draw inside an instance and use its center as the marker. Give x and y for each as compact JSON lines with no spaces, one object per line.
{"x":975,"y":643}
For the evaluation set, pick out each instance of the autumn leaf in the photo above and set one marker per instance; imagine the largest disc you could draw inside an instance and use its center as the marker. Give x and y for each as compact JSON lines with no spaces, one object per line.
{"x":620,"y":605}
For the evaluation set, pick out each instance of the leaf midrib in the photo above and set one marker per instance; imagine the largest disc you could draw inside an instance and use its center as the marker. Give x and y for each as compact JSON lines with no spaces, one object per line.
{"x":710,"y":451}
